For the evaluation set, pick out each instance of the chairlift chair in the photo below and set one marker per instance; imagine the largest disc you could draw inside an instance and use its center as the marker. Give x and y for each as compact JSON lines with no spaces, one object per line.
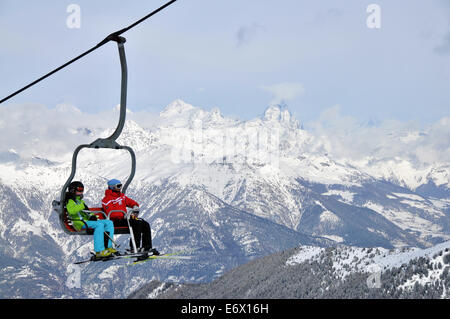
{"x":109,"y":143}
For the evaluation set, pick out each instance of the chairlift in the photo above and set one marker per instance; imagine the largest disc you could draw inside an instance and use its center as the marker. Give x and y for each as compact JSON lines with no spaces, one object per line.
{"x":108,"y":143}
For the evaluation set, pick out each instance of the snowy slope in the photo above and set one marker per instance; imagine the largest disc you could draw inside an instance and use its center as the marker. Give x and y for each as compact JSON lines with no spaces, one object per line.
{"x":317,"y":272}
{"x":350,"y":259}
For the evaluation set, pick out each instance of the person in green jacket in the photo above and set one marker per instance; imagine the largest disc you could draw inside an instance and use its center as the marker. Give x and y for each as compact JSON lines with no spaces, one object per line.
{"x":80,"y":216}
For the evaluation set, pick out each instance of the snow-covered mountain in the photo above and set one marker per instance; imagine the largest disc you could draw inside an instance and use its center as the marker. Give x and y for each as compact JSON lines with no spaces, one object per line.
{"x":227,"y":189}
{"x":333,"y":272}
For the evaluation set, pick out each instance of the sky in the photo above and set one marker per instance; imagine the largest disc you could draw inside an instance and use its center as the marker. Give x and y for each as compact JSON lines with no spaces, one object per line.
{"x":238,"y":56}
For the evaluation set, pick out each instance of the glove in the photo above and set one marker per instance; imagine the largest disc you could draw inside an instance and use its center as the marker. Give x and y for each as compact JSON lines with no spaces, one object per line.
{"x":135,"y":212}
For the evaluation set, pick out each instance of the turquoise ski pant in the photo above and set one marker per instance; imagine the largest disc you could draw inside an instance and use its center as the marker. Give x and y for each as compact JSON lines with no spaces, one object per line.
{"x":100,"y":226}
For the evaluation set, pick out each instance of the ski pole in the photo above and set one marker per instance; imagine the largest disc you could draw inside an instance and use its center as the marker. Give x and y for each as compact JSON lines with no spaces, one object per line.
{"x":115,"y":244}
{"x":133,"y":241}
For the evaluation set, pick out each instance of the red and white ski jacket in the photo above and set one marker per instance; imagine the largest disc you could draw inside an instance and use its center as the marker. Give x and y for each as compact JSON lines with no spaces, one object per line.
{"x":116,"y":201}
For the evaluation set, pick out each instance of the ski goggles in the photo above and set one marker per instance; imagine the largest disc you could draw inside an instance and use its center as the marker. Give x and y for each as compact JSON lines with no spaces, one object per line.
{"x":79,"y":189}
{"x":117,"y":186}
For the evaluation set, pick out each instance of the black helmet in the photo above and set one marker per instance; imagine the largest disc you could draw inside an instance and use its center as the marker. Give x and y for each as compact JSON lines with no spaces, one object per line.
{"x":76,"y":186}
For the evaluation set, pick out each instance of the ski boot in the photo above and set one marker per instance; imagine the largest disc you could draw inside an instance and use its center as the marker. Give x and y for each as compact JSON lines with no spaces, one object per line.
{"x":153,"y":252}
{"x":104,"y":254}
{"x":113,"y":251}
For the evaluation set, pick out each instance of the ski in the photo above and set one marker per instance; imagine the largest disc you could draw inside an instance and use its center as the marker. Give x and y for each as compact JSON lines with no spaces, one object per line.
{"x":139,"y":257}
{"x":175,"y":255}
{"x":112,"y":257}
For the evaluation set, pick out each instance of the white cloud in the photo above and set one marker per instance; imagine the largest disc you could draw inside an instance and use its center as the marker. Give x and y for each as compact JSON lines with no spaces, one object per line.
{"x":34,"y":130}
{"x":283,"y":92}
{"x":343,"y":136}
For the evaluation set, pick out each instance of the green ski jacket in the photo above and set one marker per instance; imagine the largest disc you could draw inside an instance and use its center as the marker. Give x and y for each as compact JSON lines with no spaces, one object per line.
{"x":75,"y":209}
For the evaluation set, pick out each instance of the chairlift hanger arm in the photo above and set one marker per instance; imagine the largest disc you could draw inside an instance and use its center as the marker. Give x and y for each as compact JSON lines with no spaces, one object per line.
{"x":109,"y":142}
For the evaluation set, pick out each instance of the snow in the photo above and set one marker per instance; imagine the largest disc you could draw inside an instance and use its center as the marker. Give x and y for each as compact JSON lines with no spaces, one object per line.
{"x":26,"y":272}
{"x":336,"y":238}
{"x":110,"y":272}
{"x":22,"y":226}
{"x":329,"y":217}
{"x":409,"y":196}
{"x":191,"y":146}
{"x":347,"y":259}
{"x":434,"y":275}
{"x":396,"y":169}
{"x":407,"y":220}
{"x":440,"y":203}
{"x":153,"y":294}
{"x":350,"y":259}
{"x":176,"y":108}
{"x":305,"y":253}
{"x":400,"y":256}
{"x":345,"y":195}
{"x":253,"y":165}
{"x":187,"y":137}
{"x":423,"y":206}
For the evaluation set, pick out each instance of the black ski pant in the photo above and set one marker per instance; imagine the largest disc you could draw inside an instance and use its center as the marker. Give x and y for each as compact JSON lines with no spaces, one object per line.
{"x":141,"y":231}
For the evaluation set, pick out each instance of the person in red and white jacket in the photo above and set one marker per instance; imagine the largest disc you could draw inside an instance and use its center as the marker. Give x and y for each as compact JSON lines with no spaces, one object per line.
{"x":114,"y":201}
